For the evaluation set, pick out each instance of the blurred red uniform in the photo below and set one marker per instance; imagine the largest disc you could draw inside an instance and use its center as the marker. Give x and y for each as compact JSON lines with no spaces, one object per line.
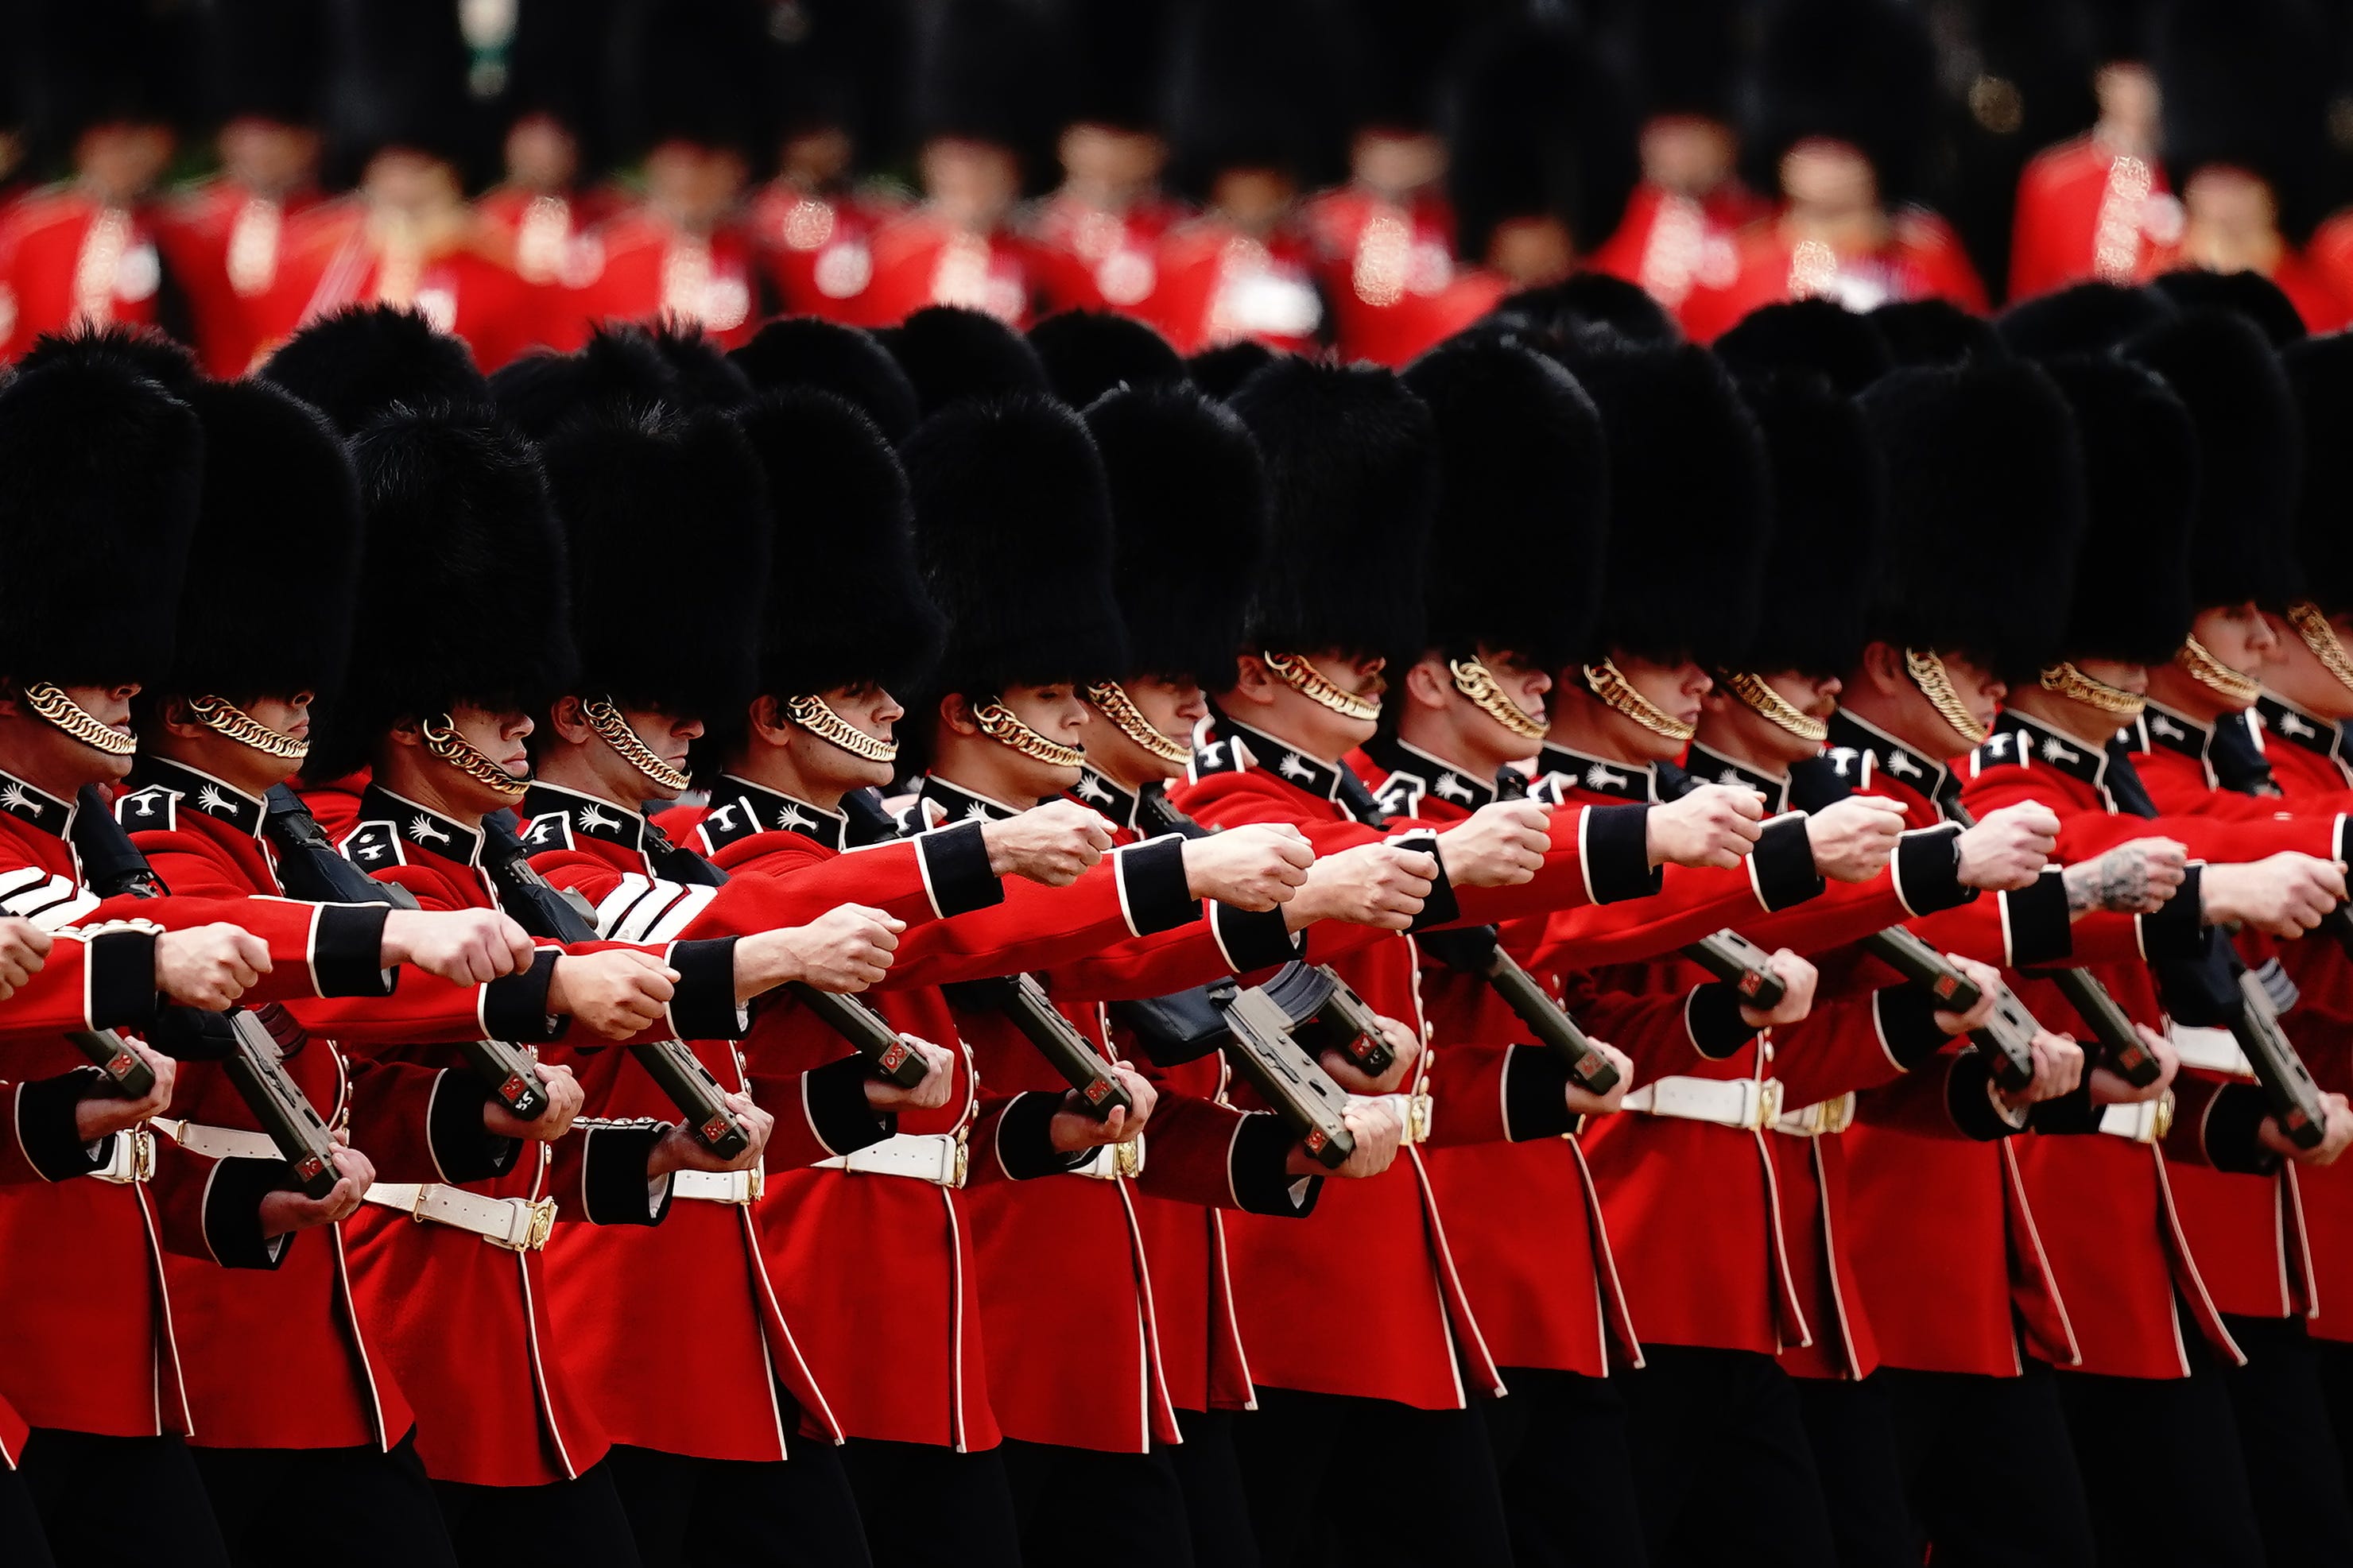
{"x":650,"y":267}
{"x":2087,"y":211}
{"x":1388,"y":271}
{"x":921,"y":260}
{"x":65,"y":256}
{"x":1672,"y":243}
{"x":1090,"y":259}
{"x":819,"y":251}
{"x":224,"y":244}
{"x":1218,"y":283}
{"x":1923,"y":259}
{"x":332,"y":261}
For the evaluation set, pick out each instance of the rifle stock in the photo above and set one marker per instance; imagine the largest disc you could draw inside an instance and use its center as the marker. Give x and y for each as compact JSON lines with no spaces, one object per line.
{"x":2006,"y":1039}
{"x":1745,"y":966}
{"x":1287,"y":1077}
{"x":2294,"y":1099}
{"x":1477,"y":951}
{"x":1025,"y":1005}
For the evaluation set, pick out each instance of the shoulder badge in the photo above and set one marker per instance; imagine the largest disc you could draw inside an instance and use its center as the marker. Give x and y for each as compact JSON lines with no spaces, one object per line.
{"x":148,"y":809}
{"x":373,"y":846}
{"x":548,"y":830}
{"x":1401,"y":794}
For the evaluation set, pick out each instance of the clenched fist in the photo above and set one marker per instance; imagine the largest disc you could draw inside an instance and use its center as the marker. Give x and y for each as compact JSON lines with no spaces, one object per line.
{"x":99,"y":1111}
{"x":1053,"y":844}
{"x":2285,"y":894}
{"x":2340,"y":1134}
{"x":930,"y":1092}
{"x":2133,"y":879}
{"x":2109,"y":1088}
{"x":1714,"y":824}
{"x":2058,"y":1068}
{"x":1585,"y":1103}
{"x":614,"y":994}
{"x":1502,"y":844}
{"x":564,"y":1101}
{"x":846,"y":949}
{"x":1852,"y":840}
{"x":1403,"y":1043}
{"x":24,"y":948}
{"x":680,"y":1150}
{"x":2007,"y":850}
{"x":1378,"y":884}
{"x":285,"y":1212}
{"x":464,"y":947}
{"x":1378,"y":1134}
{"x":1797,"y":979}
{"x":1254,"y":868}
{"x":209,"y":966}
{"x":1074,"y":1129}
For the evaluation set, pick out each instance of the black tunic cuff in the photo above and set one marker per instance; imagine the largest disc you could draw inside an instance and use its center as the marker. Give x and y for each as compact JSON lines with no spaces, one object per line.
{"x":2070,"y":1115}
{"x":463,"y":1149}
{"x":614,"y":1186}
{"x":1251,"y":941}
{"x":835,"y":1097}
{"x":2178,"y":928}
{"x":45,"y":1126}
{"x":1614,"y":847}
{"x":233,"y":1195}
{"x":1153,"y":893}
{"x":1256,"y":1169}
{"x":1711,"y":1017}
{"x":1781,"y":865}
{"x":1025,"y":1139}
{"x":955,"y":862}
{"x":2234,"y":1120}
{"x":1969,"y":1101}
{"x":1441,"y":908}
{"x":119,"y":977}
{"x":2034,"y":922}
{"x":1535,"y":1094}
{"x":1906,"y":1016}
{"x":1927,"y":869}
{"x":347,"y":950}
{"x":514,"y":1007}
{"x":704,"y":1006}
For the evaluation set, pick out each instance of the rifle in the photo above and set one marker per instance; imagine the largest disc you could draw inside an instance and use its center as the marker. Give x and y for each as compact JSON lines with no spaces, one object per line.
{"x":242,"y":1043}
{"x":546,"y":912}
{"x":1024,"y":1004}
{"x":2006,"y":1039}
{"x":1746,"y":967}
{"x":1286,"y":1077}
{"x":2294,"y":1099}
{"x":311,"y":869}
{"x":1477,"y":950}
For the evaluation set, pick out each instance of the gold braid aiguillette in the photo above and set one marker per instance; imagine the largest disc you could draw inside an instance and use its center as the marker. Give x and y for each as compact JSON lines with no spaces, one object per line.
{"x":224,"y":718}
{"x":1606,"y":681}
{"x":1758,"y":694}
{"x":615,"y":731}
{"x":1927,"y":672}
{"x":1294,"y":671}
{"x":443,"y":742}
{"x":815,"y":715}
{"x":1111,"y":700}
{"x":2068,"y":681}
{"x":1000,"y":724}
{"x":51,"y":703}
{"x":1477,"y":682}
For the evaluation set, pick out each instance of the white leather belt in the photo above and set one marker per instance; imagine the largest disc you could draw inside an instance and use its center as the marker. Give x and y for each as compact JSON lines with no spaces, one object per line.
{"x":2142,"y":1121}
{"x":518,"y":1225}
{"x":2212,"y":1050}
{"x":218,"y":1142}
{"x":1114,"y":1161}
{"x":935,"y":1157}
{"x":1412,"y":1112}
{"x":1824,"y":1116}
{"x":131,"y":1161}
{"x":1726,"y":1101}
{"x":716,"y":1187}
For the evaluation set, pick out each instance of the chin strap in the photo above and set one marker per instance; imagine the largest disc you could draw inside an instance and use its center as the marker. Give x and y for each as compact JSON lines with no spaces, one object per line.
{"x":2322,"y":639}
{"x":1111,"y":700}
{"x":615,"y":731}
{"x":1478,"y":683}
{"x":815,"y":715}
{"x":2235,"y":686}
{"x":443,"y":741}
{"x":1607,"y":683}
{"x":1927,"y":672}
{"x":51,"y":703}
{"x":1758,"y":694}
{"x":1294,"y":671}
{"x":999,"y":725}
{"x":2072,"y":683}
{"x":228,"y":719}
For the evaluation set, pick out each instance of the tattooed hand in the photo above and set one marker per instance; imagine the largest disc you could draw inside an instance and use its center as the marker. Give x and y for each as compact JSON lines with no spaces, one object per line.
{"x":2133,"y":879}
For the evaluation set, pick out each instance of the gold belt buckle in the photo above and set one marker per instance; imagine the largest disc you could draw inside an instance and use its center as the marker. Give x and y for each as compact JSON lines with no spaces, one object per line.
{"x":754,"y":1183}
{"x":1768,"y":1103}
{"x":1837,"y":1115}
{"x":416,"y":1208}
{"x":2161,"y":1119}
{"x":142,"y":1154}
{"x":1129,"y":1161}
{"x":1419,"y":1111}
{"x":542,"y":1221}
{"x":963,"y":1156}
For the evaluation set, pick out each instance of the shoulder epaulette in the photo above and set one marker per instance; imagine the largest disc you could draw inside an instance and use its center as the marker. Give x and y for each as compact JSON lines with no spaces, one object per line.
{"x":150,"y":809}
{"x":372,"y":846}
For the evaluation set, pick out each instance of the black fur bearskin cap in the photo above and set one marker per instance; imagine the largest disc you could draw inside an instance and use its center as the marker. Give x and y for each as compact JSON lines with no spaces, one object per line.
{"x":2133,"y":600}
{"x":1088,"y":353}
{"x":364,"y":359}
{"x":952,"y":354}
{"x":807,"y":350}
{"x":1830,"y":526}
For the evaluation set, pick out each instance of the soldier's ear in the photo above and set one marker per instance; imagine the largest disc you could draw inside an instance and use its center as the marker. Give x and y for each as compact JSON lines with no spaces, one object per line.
{"x":568,"y":722}
{"x":956,"y":714}
{"x":1428,"y":682}
{"x":1254,"y":682}
{"x":1883,"y":669}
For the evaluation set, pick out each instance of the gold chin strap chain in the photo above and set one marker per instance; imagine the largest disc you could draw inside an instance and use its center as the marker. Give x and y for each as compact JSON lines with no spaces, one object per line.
{"x":443,"y":742}
{"x":1477,"y":682}
{"x":1112,"y":701}
{"x":2068,"y":681}
{"x":816,"y":716}
{"x":1294,"y":671}
{"x":615,"y":731}
{"x":2233,"y":685}
{"x":52,"y":704}
{"x":1759,"y":693}
{"x":997,"y":723}
{"x":1927,"y":673}
{"x":2322,"y":639}
{"x":228,"y":719}
{"x":1606,"y":682}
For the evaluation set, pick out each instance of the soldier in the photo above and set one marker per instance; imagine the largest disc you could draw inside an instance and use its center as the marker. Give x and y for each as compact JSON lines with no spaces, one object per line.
{"x":555,"y":145}
{"x":2094,"y":206}
{"x":1097,"y":236}
{"x":834,"y":88}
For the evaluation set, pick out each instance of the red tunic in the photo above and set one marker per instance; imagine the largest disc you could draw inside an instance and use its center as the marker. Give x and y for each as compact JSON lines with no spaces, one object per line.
{"x":224,"y":244}
{"x":1388,"y":271}
{"x":819,"y":251}
{"x":332,"y":261}
{"x":1672,"y":245}
{"x":639,"y":267}
{"x":547,"y":239}
{"x":1923,"y":259}
{"x":2312,"y":284}
{"x":66,"y":258}
{"x":2087,"y":211}
{"x":921,"y":260}
{"x":1219,"y":284}
{"x":1090,"y":259}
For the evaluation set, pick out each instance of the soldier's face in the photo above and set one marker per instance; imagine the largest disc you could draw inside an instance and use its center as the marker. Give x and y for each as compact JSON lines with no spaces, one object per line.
{"x":1675,"y":689}
{"x":2298,"y":675}
{"x":1980,"y":691}
{"x":1308,"y":724}
{"x":498,"y":735}
{"x":1758,"y":740}
{"x":46,"y":755}
{"x":668,"y":736}
{"x":1057,"y":713}
{"x":1171,"y":707}
{"x":1525,"y":686}
{"x":542,"y":156}
{"x":2239,"y":635}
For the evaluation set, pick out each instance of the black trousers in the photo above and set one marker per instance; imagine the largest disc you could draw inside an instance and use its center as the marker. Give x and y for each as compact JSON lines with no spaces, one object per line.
{"x":2335,"y":1368}
{"x":1559,"y":1442}
{"x":2295,"y":1471}
{"x":794,"y":1513}
{"x":1064,"y":1497}
{"x":929,"y":1507}
{"x":80,"y":1484}
{"x":1216,"y":1509}
{"x":1980,"y":1467}
{"x":2161,"y":1466}
{"x":22,"y":1539}
{"x":280,"y":1508}
{"x":1333,"y":1478}
{"x":567,"y":1524}
{"x":1723,"y":1472}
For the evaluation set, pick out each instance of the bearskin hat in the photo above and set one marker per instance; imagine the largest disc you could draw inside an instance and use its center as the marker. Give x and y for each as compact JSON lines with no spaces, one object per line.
{"x":266,"y":59}
{"x":1983,"y":463}
{"x":808,"y":351}
{"x":847,"y":605}
{"x":2084,"y":318}
{"x":1088,"y":353}
{"x":707,"y":378}
{"x":619,"y":365}
{"x":983,"y":71}
{"x":1689,"y":55}
{"x":1013,"y":534}
{"x":1113,"y":53}
{"x":1352,"y":470}
{"x":1221,"y":369}
{"x":275,"y":472}
{"x":1253,"y":84}
{"x":2244,"y":83}
{"x":364,"y":359}
{"x":103,"y":62}
{"x":99,"y":475}
{"x":1690,"y":502}
{"x":1591,"y":299}
{"x":2250,"y":294}
{"x":2250,"y":453}
{"x":463,"y":583}
{"x":1858,"y":71}
{"x":1829,"y":525}
{"x":2132,"y":596}
{"x":556,"y":67}
{"x":397,"y":78}
{"x":1537,"y":128}
{"x":1936,"y":331}
{"x":140,"y":350}
{"x":951,"y":354}
{"x":1524,"y":473}
{"x":2320,"y":373}
{"x":694,"y":72}
{"x":1807,"y":334}
{"x":1188,"y":505}
{"x":1394,"y":52}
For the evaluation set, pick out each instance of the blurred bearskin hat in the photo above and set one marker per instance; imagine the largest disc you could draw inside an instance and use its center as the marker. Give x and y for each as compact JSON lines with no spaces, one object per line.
{"x":2244,"y":84}
{"x":2250,"y":453}
{"x":100,"y":471}
{"x":100,"y":62}
{"x":1352,"y":470}
{"x":1088,"y":353}
{"x":1689,"y":55}
{"x":634,"y":485}
{"x":1858,"y":71}
{"x":1188,"y":506}
{"x":2320,"y":373}
{"x":1253,"y":84}
{"x":707,"y":378}
{"x":1524,"y":478}
{"x":619,"y":365}
{"x":2083,"y":318}
{"x":1690,"y":502}
{"x":1394,"y":52}
{"x":2248,"y":294}
{"x":275,"y":471}
{"x":1829,"y":525}
{"x":398,"y":77}
{"x":1936,"y":331}
{"x":556,"y":65}
{"x":1013,"y":534}
{"x":1590,"y":299}
{"x":696,"y":71}
{"x":365,"y":359}
{"x":1218,"y":371}
{"x":1112,"y":50}
{"x":984,"y":71}
{"x":1537,"y":130}
{"x":808,"y":351}
{"x":266,"y":59}
{"x":463,"y":585}
{"x":140,"y":350}
{"x":1983,"y":463}
{"x":2133,"y":600}
{"x":952,"y":354}
{"x":1817,"y":335}
{"x":848,"y":606}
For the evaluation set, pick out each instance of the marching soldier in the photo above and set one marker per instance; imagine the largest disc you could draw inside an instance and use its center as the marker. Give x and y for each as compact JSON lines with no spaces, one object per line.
{"x":2096,"y":205}
{"x":1097,"y":236}
{"x":540,"y":217}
